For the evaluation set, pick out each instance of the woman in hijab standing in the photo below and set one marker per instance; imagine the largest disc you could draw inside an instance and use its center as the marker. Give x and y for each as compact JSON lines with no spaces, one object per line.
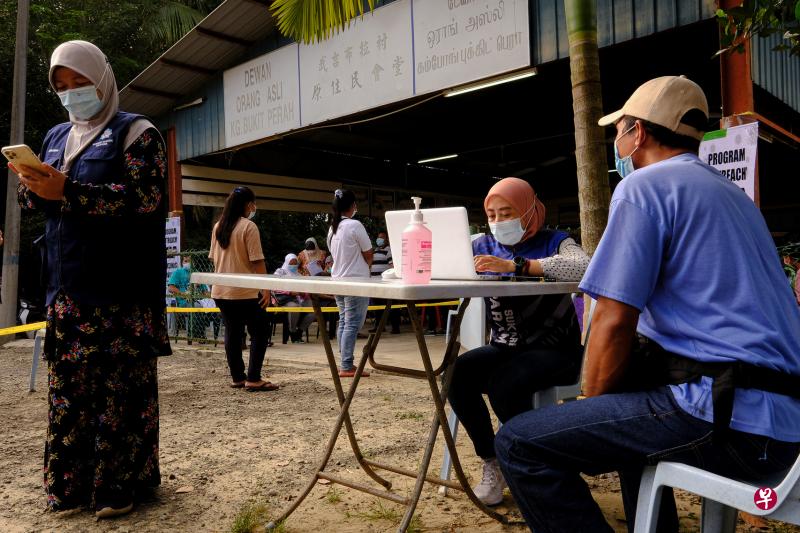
{"x":298,"y":322}
{"x":351,"y":249}
{"x":236,"y":249}
{"x":311,"y":260}
{"x":102,"y":192}
{"x":535,"y":340}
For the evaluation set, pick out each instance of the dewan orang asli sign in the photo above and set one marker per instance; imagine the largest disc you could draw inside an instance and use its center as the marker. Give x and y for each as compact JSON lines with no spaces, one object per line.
{"x":403,"y":49}
{"x":733,"y":152}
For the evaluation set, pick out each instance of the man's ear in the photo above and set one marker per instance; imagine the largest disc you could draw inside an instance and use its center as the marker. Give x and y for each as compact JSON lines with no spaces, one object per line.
{"x":641,"y":133}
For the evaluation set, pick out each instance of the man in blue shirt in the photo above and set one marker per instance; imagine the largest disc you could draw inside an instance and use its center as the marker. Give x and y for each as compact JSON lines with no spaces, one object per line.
{"x":686,"y":273}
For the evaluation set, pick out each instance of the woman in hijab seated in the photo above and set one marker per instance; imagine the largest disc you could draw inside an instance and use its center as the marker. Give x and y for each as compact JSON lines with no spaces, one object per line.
{"x":102,"y":192}
{"x":311,"y":261}
{"x":298,"y":322}
{"x":535,"y":340}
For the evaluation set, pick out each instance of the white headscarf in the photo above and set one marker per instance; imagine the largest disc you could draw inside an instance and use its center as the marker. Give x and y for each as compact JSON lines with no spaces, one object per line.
{"x":284,"y":269}
{"x":89,"y":61}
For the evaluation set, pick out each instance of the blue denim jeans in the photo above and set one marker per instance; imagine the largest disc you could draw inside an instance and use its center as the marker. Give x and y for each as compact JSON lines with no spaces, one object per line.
{"x":352,"y":313}
{"x":543,"y":452}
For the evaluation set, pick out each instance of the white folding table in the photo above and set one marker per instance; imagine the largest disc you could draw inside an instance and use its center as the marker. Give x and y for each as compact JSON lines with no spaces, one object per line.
{"x":391,"y":291}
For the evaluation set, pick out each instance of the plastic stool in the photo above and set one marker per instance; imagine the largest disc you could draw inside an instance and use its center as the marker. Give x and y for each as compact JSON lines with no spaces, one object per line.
{"x":37,"y":350}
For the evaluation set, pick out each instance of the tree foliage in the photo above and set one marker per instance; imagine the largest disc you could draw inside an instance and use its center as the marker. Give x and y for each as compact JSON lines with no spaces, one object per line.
{"x":308,"y":21}
{"x":132,"y":35}
{"x":761,"y":18}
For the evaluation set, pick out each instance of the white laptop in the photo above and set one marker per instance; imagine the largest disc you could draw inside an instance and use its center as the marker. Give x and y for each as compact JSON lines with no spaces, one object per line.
{"x":452,"y":244}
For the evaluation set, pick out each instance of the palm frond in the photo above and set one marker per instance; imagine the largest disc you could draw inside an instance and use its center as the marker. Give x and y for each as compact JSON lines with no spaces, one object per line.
{"x":174,"y":20}
{"x":308,"y":21}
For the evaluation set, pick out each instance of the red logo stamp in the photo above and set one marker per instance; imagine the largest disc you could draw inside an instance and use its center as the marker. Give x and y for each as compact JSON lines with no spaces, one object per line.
{"x":765,"y":498}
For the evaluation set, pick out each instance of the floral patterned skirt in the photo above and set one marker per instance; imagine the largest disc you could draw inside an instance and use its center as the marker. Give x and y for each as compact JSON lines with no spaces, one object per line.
{"x":102,"y":434}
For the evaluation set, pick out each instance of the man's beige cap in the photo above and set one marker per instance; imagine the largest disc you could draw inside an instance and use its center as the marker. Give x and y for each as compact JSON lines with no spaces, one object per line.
{"x":664,"y":101}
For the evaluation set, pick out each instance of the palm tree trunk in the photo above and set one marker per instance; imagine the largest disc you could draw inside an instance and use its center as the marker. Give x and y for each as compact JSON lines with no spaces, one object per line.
{"x":587,"y":105}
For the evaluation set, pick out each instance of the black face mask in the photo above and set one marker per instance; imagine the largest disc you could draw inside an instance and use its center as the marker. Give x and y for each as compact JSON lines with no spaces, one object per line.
{"x":310,"y":247}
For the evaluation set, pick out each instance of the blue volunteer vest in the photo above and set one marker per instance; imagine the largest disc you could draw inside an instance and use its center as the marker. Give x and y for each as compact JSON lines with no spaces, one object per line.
{"x":519,"y":322}
{"x":102,"y":260}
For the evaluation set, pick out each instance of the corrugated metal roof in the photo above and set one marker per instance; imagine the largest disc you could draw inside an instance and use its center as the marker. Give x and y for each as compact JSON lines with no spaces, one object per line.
{"x":216,"y":43}
{"x":777,"y":72}
{"x":617,"y":21}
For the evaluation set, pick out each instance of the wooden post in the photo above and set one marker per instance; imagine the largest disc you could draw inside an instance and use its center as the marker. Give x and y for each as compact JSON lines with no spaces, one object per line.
{"x":736,"y":88}
{"x":175,"y":185}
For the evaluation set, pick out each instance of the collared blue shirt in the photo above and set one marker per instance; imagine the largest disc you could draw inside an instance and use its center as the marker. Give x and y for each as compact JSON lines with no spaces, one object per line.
{"x":692,"y":252}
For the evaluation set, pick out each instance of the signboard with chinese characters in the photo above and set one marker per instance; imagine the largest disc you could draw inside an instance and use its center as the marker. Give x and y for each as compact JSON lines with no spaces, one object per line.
{"x":366,"y":65}
{"x":458,"y":41}
{"x":261,"y":97}
{"x":733,"y":152}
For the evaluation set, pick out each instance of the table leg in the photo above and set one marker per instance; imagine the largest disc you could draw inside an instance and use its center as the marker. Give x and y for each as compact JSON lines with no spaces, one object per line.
{"x":344,"y":415}
{"x":344,"y":401}
{"x":440,"y":421}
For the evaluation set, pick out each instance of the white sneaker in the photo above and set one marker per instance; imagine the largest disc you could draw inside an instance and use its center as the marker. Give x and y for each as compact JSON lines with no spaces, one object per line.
{"x":490,"y":489}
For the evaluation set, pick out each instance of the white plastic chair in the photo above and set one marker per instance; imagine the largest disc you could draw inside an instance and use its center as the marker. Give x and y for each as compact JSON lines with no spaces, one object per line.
{"x":542,"y":398}
{"x":37,"y":351}
{"x":722,"y":496}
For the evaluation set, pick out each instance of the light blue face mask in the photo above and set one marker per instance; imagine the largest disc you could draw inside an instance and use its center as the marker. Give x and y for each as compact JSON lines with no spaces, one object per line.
{"x":292,"y":268}
{"x":82,"y":102}
{"x":624,"y":165}
{"x":380,"y":242}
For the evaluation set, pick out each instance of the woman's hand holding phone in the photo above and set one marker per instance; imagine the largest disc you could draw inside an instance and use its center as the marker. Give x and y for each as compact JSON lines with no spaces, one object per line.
{"x":45,"y":182}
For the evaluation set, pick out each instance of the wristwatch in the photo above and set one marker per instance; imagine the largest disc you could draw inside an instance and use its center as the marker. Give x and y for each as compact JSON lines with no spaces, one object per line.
{"x":520,"y":265}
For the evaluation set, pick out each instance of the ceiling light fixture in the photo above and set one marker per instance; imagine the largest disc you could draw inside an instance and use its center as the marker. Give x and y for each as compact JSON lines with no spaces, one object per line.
{"x":440,"y":158}
{"x":491,"y":82}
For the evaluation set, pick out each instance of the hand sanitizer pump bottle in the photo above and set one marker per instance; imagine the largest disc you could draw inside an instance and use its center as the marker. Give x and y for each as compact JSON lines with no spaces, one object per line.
{"x":417,"y":248}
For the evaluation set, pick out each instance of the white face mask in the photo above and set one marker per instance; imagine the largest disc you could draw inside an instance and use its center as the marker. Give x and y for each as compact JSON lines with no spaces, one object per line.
{"x":82,"y":102}
{"x":252,"y":214}
{"x":187,"y":266}
{"x":508,"y":232}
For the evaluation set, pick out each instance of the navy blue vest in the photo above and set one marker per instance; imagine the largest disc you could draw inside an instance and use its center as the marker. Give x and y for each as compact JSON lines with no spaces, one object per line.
{"x":544,"y":321}
{"x":102,"y":259}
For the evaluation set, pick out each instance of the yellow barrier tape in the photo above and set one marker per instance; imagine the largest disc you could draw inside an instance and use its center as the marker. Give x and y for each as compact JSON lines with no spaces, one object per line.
{"x":305,"y":309}
{"x":41,"y":325}
{"x":22,"y":329}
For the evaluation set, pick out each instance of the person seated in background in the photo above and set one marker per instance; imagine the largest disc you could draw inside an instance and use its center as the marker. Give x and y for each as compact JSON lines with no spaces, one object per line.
{"x":382,"y":261}
{"x":298,"y":322}
{"x":311,"y":260}
{"x":535,"y":340}
{"x":178,"y":285}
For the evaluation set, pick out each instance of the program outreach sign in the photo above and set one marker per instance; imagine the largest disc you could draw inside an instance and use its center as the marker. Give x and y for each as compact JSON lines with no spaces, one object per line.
{"x":261,"y":97}
{"x":733,"y":152}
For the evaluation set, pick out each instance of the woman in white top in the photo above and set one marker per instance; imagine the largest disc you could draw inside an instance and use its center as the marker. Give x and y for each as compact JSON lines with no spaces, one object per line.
{"x":351,"y":249}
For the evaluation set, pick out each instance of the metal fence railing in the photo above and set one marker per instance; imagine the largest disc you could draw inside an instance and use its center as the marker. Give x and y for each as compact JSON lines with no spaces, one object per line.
{"x":191,"y":316}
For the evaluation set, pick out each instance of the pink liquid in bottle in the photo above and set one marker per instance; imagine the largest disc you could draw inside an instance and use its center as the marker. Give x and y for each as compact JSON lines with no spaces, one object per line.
{"x":417,"y":249}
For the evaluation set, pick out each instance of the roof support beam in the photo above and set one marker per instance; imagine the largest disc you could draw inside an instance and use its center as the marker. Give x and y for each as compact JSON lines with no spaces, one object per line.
{"x":223,"y":37}
{"x":186,"y":66}
{"x":154,"y":92}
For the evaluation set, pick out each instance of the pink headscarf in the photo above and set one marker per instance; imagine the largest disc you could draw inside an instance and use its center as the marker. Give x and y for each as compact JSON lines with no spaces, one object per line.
{"x":520,"y":195}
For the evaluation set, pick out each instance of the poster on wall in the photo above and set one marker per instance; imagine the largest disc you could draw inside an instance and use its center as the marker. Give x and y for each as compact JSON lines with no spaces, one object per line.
{"x":458,"y":41}
{"x":366,"y":65}
{"x":733,"y":152}
{"x":172,"y":242}
{"x":261,"y":97}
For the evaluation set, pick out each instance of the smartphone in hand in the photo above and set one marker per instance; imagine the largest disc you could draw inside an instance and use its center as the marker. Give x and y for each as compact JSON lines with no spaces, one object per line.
{"x":21,"y":154}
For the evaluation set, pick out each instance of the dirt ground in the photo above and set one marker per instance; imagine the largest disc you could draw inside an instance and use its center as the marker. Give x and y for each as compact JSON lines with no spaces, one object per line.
{"x":224,"y":449}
